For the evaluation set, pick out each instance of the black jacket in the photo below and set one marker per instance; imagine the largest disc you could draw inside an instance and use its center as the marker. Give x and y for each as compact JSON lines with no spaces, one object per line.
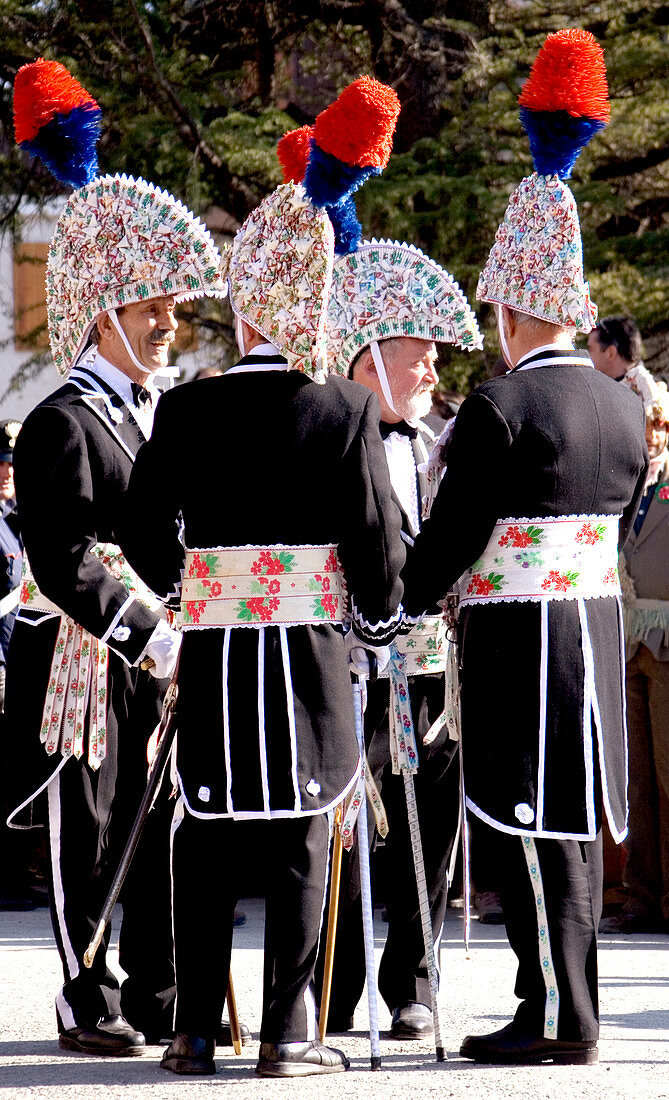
{"x":265,"y":714}
{"x":554,"y":440}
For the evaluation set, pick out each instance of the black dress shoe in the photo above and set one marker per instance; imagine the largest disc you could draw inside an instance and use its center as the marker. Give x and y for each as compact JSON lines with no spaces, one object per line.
{"x":189,"y":1054}
{"x":506,"y":1047}
{"x":112,"y":1036}
{"x":412,"y":1021}
{"x":299,"y":1059}
{"x":224,"y":1037}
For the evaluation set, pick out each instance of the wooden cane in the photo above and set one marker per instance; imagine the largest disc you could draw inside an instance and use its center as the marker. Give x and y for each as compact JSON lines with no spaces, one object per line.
{"x":333,"y":912}
{"x":234,"y":1018}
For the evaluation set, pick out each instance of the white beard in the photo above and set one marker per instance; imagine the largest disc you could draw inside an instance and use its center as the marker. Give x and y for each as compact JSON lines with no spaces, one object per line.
{"x":414,"y":406}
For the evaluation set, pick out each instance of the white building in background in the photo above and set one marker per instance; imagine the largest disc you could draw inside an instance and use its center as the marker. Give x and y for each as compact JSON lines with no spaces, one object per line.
{"x":23,"y":336}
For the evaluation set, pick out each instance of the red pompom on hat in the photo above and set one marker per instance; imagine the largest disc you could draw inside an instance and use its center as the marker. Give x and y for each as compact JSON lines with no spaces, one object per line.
{"x":42,"y":90}
{"x":358,"y":127}
{"x":569,"y":75}
{"x":293,"y":153}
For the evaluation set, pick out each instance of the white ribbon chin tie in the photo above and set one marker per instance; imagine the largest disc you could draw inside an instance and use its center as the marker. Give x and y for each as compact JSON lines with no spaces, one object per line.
{"x":382,"y":375}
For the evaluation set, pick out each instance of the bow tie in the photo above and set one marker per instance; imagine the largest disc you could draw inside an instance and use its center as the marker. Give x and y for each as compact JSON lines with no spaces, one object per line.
{"x":402,"y":428}
{"x":141,"y":395}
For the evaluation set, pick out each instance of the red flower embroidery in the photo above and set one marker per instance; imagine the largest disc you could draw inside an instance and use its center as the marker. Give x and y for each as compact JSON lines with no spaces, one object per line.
{"x":216,"y":588}
{"x":611,"y":575}
{"x":195,"y":609}
{"x":332,"y":562}
{"x":274,"y":586}
{"x":198,"y":568}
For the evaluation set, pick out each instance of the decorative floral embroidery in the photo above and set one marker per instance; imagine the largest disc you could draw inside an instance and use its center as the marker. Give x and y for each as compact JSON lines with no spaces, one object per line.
{"x":269,"y":563}
{"x":203,"y":565}
{"x":390,"y":289}
{"x":662,"y":492}
{"x":192,"y":611}
{"x":545,"y":955}
{"x":325,"y":607}
{"x":560,"y":582}
{"x":484,"y":586}
{"x":257,"y":608}
{"x":118,"y":241}
{"x":611,"y":576}
{"x":591,"y":535}
{"x":521,"y":536}
{"x":536,"y":262}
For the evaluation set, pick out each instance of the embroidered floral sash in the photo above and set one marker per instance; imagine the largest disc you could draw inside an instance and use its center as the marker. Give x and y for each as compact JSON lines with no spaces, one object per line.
{"x":257,"y":585}
{"x":424,"y":648}
{"x":79,"y":666}
{"x":554,"y":558}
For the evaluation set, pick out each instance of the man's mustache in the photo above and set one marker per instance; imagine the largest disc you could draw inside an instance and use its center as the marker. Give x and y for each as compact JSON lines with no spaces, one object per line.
{"x":165,"y":336}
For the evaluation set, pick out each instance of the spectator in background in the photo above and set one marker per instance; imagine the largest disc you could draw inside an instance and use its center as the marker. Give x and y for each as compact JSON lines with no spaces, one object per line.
{"x":645,"y":584}
{"x":614,"y":346}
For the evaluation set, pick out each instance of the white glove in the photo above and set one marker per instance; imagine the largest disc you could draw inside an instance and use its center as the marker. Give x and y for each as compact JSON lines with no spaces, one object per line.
{"x":163,"y":649}
{"x":358,"y":655}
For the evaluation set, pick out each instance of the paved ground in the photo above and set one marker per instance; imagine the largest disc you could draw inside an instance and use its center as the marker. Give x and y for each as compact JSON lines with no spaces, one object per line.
{"x":476,"y":996}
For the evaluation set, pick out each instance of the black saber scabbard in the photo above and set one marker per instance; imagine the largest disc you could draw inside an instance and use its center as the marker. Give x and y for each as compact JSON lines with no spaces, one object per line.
{"x":166,"y":734}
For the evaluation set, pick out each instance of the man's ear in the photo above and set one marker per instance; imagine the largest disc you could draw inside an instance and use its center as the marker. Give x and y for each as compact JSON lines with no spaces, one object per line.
{"x":364,"y":367}
{"x":105,"y":327}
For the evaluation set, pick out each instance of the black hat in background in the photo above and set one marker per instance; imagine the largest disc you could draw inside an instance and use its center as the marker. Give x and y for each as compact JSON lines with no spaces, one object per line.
{"x":9,"y":429}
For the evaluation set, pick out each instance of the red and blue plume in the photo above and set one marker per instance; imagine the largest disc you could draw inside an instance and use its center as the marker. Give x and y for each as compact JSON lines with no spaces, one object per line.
{"x":350,"y":141}
{"x":565,"y":100}
{"x":56,"y":120}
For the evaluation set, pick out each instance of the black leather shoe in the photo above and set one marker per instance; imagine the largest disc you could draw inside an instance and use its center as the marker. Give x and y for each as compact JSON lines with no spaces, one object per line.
{"x":505,"y":1047}
{"x":412,"y":1021}
{"x":299,"y":1059}
{"x":112,"y":1036}
{"x":189,"y":1054}
{"x":224,"y":1037}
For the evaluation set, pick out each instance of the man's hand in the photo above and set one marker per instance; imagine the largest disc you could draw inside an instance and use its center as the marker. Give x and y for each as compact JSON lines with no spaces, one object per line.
{"x":163,"y":649}
{"x":358,"y":655}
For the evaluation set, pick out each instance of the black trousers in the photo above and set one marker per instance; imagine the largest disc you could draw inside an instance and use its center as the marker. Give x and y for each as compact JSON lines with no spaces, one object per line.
{"x":90,"y":814}
{"x":551,"y":892}
{"x":403,"y":973}
{"x":293,"y":856}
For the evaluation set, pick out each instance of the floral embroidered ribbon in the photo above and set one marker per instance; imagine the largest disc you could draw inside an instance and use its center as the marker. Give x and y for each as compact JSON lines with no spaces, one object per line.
{"x":403,"y":753}
{"x":79,"y":666}
{"x":364,"y":784}
{"x":255,"y":585}
{"x":550,"y":558}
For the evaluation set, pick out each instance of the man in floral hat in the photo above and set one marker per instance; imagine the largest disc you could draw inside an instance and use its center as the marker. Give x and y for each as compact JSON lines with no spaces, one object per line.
{"x":266,"y":745}
{"x":385,"y":338}
{"x":536,"y":551}
{"x":82,"y":701}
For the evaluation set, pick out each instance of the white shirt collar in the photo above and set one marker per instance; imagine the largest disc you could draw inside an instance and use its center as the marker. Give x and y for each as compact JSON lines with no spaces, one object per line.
{"x":119,"y":382}
{"x":267,"y":350}
{"x":547,"y":355}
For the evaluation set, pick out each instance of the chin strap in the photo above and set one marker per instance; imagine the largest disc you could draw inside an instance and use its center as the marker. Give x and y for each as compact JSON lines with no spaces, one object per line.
{"x":506,"y":354}
{"x":239,"y":335}
{"x":119,"y":328}
{"x":382,"y":375}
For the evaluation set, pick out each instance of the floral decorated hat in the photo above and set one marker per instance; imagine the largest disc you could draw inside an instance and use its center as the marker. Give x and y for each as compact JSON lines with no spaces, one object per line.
{"x":280,"y":274}
{"x":536,"y":262}
{"x":119,"y":240}
{"x":653,"y":392}
{"x":386,"y":289}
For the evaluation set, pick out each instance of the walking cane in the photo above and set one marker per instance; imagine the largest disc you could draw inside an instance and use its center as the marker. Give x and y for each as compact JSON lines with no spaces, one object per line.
{"x":235,"y":1030}
{"x":333,"y":912}
{"x":366,"y":887}
{"x":405,"y":756}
